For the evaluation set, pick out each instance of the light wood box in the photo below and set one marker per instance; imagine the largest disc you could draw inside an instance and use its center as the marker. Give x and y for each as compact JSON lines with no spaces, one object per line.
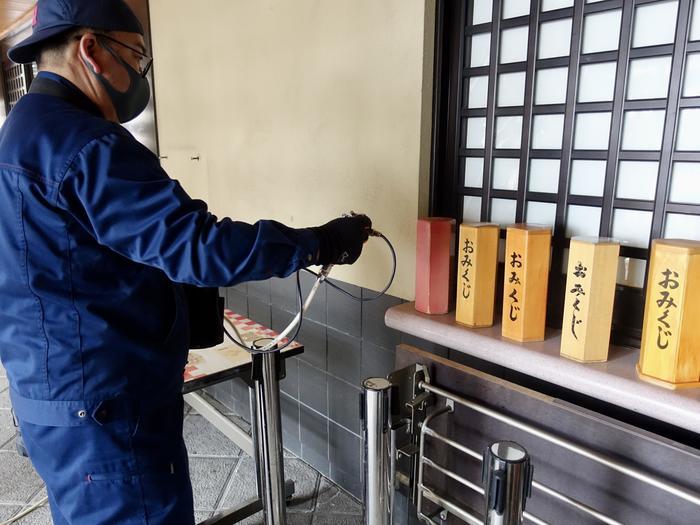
{"x":590,"y":293}
{"x":476,"y":273}
{"x":525,"y":281}
{"x":670,"y":354}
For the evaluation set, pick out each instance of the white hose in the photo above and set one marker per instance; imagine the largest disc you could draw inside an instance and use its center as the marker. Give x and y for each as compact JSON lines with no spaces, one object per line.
{"x":273,"y":344}
{"x":26,"y":511}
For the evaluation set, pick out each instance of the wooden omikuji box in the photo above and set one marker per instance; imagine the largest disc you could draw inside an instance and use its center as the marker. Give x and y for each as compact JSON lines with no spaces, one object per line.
{"x":670,"y":353}
{"x":590,"y":293}
{"x":434,"y":249}
{"x":476,"y":273}
{"x":525,"y":282}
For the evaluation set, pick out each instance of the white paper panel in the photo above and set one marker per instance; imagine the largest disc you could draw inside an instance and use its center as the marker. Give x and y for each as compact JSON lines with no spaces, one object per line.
{"x":597,"y":82}
{"x":601,"y":31}
{"x":695,"y":22}
{"x":682,"y":227}
{"x":555,"y":39}
{"x":508,"y":132}
{"x":478,"y":92}
{"x":474,"y":172}
{"x":655,"y":24}
{"x":482,"y":11}
{"x":547,"y":131}
{"x":511,"y":89}
{"x":587,"y":177}
{"x":514,"y":45}
{"x":643,"y":130}
{"x":648,"y":78}
{"x":481,"y":49}
{"x":689,"y":130}
{"x":503,"y":211}
{"x":550,"y":85}
{"x":513,"y":8}
{"x":476,"y":132}
{"x":544,"y":175}
{"x":691,"y":84}
{"x":685,"y":183}
{"x":631,"y":272}
{"x":592,"y":131}
{"x":541,"y":213}
{"x":551,"y":5}
{"x":582,"y":221}
{"x":505,"y":174}
{"x":637,"y":180}
{"x":632,"y":227}
{"x":471,"y":212}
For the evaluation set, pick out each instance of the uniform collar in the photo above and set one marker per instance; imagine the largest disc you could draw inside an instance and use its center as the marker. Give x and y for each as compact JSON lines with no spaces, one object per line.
{"x":48,"y":83}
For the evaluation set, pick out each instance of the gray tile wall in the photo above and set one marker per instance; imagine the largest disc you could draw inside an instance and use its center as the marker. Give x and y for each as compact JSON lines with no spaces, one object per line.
{"x":345,"y":341}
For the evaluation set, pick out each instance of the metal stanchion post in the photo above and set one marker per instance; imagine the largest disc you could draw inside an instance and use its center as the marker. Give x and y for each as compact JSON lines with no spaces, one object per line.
{"x":268,"y":437}
{"x":378,"y":486}
{"x":507,"y":480}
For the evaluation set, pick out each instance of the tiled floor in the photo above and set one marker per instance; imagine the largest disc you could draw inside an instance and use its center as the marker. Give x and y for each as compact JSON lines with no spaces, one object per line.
{"x":222,"y":477}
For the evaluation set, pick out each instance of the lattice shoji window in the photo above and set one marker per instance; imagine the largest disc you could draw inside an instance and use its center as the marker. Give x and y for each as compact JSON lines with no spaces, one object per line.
{"x":17,"y":79}
{"x":583,"y":115}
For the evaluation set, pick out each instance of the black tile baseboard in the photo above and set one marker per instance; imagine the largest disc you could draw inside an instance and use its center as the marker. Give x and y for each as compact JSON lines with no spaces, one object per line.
{"x":344,"y":356}
{"x":314,"y":439}
{"x":313,"y":336}
{"x":313,"y":387}
{"x":284,"y":294}
{"x":237,"y":301}
{"x":373,"y":328}
{"x":260,"y":290}
{"x":290,"y":424}
{"x":290,"y":384}
{"x":259,"y":311}
{"x":345,"y":452}
{"x":280,"y":319}
{"x":344,"y":313}
{"x":376,"y":361}
{"x":344,"y":404}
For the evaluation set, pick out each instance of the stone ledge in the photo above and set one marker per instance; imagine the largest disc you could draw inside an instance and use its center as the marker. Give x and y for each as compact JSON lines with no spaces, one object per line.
{"x":614,"y":382}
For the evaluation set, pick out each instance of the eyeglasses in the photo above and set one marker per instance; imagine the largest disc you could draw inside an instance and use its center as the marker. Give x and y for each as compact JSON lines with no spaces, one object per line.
{"x":145,"y":61}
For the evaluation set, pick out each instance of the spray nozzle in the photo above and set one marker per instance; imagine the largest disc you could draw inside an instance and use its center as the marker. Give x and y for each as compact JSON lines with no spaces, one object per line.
{"x":371,"y":231}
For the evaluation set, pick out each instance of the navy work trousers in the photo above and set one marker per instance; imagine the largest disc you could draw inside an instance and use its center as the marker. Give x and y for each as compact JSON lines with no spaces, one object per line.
{"x":132,"y":470}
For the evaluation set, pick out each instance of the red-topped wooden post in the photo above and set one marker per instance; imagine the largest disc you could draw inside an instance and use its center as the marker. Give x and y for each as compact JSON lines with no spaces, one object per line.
{"x":434,"y":251}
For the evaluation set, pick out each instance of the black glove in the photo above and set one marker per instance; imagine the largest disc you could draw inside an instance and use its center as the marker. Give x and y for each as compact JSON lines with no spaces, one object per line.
{"x":341,"y":240}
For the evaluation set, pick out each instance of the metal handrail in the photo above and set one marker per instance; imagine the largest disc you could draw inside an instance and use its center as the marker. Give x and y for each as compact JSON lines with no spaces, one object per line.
{"x":540,"y":486}
{"x":620,"y":467}
{"x":385,"y":460}
{"x":421,"y":455}
{"x":429,"y":493}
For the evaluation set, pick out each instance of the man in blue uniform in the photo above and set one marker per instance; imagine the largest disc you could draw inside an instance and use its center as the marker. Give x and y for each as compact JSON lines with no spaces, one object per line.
{"x":94,"y":239}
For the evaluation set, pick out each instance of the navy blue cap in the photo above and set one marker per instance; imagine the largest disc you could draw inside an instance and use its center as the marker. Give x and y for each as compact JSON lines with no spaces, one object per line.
{"x":52,"y":17}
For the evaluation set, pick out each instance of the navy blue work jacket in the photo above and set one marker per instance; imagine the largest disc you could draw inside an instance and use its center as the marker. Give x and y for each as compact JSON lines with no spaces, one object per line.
{"x":93,"y":237}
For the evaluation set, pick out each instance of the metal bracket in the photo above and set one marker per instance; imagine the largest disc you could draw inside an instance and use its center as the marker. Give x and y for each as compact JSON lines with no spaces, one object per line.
{"x":409,"y":406}
{"x":245,"y":510}
{"x":408,"y":451}
{"x":256,"y":370}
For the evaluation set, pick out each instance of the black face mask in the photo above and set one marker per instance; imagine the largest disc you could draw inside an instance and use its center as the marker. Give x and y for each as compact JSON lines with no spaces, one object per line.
{"x":131,"y":103}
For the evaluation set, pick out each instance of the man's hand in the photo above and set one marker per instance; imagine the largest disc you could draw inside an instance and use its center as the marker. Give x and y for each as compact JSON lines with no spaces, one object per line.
{"x":341,"y":240}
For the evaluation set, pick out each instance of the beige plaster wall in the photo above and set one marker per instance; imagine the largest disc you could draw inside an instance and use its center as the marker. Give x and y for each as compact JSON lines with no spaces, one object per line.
{"x":300,"y":110}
